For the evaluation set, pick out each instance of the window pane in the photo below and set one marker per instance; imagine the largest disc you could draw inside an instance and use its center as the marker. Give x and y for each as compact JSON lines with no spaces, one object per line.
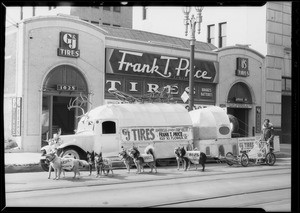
{"x":288,"y":86}
{"x":106,"y":8}
{"x":283,"y":84}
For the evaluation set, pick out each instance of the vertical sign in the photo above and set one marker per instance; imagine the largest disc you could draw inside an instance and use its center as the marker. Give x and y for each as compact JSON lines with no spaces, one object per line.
{"x":16,"y":116}
{"x":242,"y":67}
{"x":258,"y":119}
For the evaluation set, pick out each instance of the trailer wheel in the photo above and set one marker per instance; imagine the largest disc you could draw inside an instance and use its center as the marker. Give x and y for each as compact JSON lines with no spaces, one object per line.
{"x":229,"y":158}
{"x":270,"y":159}
{"x":244,"y":160}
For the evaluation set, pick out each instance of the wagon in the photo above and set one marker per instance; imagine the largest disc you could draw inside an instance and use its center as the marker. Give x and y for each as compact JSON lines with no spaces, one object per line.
{"x":260,"y":153}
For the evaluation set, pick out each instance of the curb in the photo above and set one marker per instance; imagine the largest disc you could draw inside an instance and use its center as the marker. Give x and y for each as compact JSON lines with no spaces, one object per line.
{"x":19,"y":168}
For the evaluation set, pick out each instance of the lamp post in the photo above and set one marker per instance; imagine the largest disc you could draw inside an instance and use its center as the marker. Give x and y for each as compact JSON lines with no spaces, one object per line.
{"x":190,"y":26}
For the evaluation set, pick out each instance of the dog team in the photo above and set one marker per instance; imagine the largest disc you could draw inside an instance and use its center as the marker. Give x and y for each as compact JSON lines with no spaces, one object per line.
{"x":129,"y":157}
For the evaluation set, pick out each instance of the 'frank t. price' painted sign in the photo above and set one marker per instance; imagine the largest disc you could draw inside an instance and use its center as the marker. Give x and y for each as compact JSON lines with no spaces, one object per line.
{"x":156,"y":134}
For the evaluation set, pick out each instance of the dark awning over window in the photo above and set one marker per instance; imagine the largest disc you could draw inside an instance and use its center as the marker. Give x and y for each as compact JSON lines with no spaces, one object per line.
{"x":239,"y":93}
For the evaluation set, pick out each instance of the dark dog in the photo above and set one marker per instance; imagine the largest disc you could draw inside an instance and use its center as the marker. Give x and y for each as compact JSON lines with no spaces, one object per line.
{"x":91,"y":161}
{"x":180,"y":158}
{"x":125,"y":157}
{"x":193,"y":157}
{"x":141,"y":160}
{"x":103,"y":165}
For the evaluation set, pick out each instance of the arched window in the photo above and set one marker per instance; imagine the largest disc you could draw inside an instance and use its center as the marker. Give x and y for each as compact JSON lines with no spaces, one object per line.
{"x":108,"y":127}
{"x":207,"y":150}
{"x":221,"y":150}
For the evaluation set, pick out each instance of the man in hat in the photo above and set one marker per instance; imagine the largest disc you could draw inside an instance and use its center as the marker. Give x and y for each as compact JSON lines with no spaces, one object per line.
{"x":268,"y":132}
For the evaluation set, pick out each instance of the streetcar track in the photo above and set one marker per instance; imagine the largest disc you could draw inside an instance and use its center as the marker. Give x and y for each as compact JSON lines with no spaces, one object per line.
{"x":159,"y":179}
{"x":214,"y":197}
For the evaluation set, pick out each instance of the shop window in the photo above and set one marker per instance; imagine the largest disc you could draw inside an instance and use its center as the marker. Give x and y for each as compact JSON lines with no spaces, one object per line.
{"x":108,"y":127}
{"x":222,"y":34}
{"x":211,"y":34}
{"x":106,"y":8}
{"x":234,"y":150}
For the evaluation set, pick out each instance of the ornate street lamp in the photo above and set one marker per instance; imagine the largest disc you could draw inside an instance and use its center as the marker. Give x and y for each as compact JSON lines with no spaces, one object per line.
{"x":190,"y":26}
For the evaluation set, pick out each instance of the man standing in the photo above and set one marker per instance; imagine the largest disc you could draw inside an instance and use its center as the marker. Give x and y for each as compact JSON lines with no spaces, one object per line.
{"x":268,"y":132}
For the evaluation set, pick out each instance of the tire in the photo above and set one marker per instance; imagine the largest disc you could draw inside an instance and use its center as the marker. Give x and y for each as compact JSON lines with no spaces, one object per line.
{"x":229,"y":158}
{"x":45,"y":166}
{"x":244,"y":160}
{"x":270,"y":159}
{"x":71,"y":152}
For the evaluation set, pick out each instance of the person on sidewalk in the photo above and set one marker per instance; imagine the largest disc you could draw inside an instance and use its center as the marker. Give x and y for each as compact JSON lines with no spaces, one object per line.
{"x":268,"y":132}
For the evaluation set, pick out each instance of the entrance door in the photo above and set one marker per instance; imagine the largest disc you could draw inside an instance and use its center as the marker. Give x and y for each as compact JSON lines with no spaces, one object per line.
{"x":242,"y":115}
{"x":62,"y":117}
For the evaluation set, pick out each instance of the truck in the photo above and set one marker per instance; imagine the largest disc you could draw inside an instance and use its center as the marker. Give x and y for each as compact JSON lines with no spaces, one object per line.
{"x":112,"y":127}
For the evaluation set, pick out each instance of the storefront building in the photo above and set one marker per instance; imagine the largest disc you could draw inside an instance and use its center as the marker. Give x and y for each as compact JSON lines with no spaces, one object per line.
{"x":59,"y":67}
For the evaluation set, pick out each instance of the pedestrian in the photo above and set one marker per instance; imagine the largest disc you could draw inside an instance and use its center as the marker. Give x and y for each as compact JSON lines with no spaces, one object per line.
{"x":268,"y":132}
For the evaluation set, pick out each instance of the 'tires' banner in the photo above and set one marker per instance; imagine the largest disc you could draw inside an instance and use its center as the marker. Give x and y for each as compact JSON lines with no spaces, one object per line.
{"x":154,"y":65}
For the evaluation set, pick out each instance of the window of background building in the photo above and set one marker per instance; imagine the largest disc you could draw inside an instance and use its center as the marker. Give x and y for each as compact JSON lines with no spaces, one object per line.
{"x":106,"y":24}
{"x":286,"y":84}
{"x":222,"y":34}
{"x":117,"y":9}
{"x":116,"y":25}
{"x":211,"y":34}
{"x":144,"y":13}
{"x":106,"y":8}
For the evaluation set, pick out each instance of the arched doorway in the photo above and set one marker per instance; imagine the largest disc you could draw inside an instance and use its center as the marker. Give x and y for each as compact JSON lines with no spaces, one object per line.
{"x":61,"y":87}
{"x":239,"y":104}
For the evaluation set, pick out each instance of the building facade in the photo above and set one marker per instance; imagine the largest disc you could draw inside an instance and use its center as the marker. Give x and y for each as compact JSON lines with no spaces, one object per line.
{"x":265,"y":29}
{"x":58,"y":67}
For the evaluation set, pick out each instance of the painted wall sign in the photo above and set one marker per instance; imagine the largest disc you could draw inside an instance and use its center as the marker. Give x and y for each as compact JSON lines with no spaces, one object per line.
{"x":258,"y":119}
{"x":16,"y":116}
{"x":246,"y":144}
{"x":68,"y":45}
{"x":242,"y":67}
{"x":138,"y":86}
{"x":156,"y":65}
{"x":148,"y":134}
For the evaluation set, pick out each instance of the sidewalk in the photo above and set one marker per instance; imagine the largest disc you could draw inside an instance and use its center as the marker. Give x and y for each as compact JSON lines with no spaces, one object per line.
{"x":30,"y":162}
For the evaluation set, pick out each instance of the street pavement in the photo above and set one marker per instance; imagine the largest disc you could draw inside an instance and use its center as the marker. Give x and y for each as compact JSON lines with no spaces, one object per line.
{"x":29,"y":162}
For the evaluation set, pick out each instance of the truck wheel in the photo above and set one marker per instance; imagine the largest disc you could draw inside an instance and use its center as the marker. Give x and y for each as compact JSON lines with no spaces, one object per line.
{"x":244,"y":160}
{"x":270,"y":159}
{"x":45,"y":166}
{"x":70,"y":152}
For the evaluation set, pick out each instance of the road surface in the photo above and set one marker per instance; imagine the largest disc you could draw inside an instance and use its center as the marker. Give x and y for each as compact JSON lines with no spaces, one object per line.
{"x":267,"y":187}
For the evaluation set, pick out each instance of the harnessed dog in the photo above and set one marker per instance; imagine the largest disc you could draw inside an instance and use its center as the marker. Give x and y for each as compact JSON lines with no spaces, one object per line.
{"x":91,"y":161}
{"x":180,"y":158}
{"x":103,"y":165}
{"x":190,"y":157}
{"x":66,"y":163}
{"x":140,"y":159}
{"x":127,"y":160}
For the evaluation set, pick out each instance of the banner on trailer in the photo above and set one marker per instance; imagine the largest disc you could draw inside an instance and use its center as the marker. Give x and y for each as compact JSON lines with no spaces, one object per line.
{"x":156,"y":134}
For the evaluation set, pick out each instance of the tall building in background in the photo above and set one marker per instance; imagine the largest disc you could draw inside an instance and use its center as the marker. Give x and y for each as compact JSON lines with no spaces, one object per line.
{"x":109,"y":15}
{"x":265,"y":29}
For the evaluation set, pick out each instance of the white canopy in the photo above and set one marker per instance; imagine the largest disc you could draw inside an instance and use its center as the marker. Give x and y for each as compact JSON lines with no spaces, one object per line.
{"x":147,"y":114}
{"x":210,"y":123}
